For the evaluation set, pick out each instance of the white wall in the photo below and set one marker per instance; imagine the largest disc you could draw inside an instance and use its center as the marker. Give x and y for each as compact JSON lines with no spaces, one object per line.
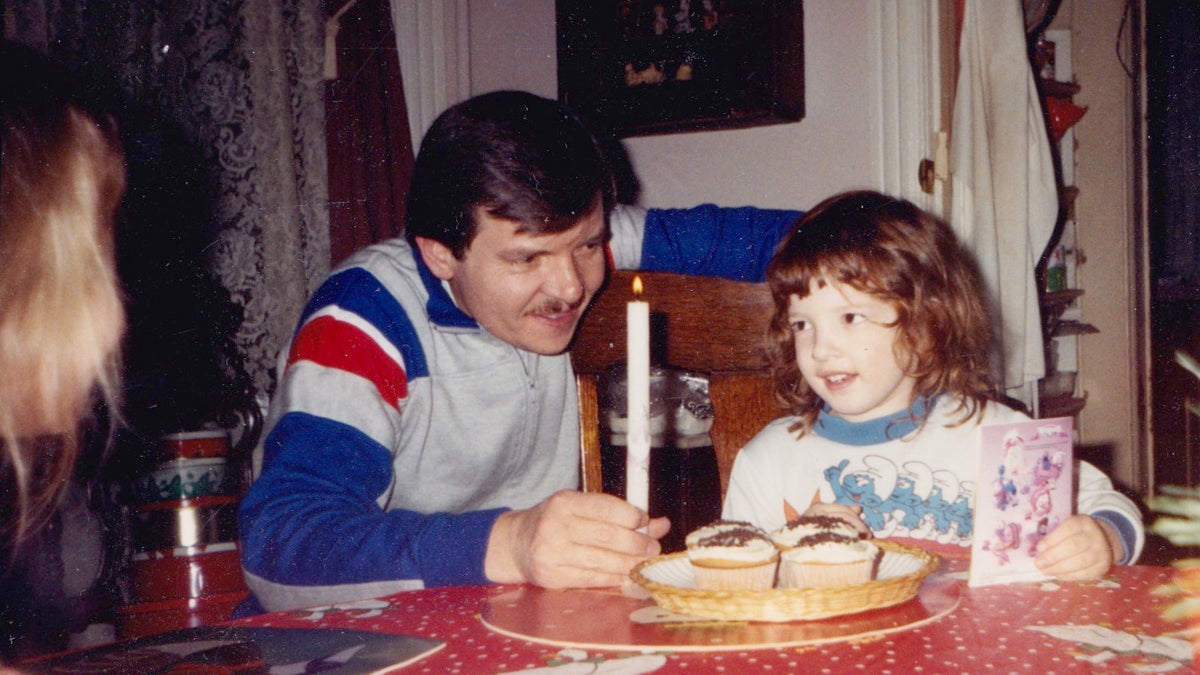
{"x":513,"y":46}
{"x":792,"y":165}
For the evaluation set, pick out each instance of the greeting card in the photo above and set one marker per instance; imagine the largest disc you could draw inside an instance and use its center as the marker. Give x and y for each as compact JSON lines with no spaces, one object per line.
{"x":1025,"y":491}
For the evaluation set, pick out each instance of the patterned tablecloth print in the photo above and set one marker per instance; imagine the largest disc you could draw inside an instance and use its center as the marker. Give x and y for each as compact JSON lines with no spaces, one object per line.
{"x":1112,"y":625}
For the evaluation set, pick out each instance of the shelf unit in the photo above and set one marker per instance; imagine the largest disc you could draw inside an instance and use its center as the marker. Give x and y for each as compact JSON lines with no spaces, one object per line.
{"x":1059,"y":393}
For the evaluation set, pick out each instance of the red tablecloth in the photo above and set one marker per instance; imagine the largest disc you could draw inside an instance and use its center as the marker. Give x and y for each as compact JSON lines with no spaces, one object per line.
{"x":1112,"y":625}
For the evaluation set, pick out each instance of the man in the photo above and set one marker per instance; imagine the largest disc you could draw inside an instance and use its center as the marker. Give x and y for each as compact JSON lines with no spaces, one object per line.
{"x":425,"y":429}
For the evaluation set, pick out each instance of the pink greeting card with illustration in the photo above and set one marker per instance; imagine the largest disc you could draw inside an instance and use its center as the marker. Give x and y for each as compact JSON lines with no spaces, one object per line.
{"x":1024,"y":491}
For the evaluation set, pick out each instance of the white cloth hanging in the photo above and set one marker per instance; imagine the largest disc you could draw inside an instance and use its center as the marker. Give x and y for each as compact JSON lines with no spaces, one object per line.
{"x":433,"y":43}
{"x":1004,"y":196}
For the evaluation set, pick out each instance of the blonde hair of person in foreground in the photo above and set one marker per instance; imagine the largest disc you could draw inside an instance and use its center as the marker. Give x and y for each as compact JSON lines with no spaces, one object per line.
{"x":62,"y":176}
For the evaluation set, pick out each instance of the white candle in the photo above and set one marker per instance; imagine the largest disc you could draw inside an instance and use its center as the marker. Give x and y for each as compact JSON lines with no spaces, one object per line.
{"x":637,"y":412}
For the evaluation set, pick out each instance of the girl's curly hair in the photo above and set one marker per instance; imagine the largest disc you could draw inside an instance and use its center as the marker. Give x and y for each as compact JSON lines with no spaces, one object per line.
{"x":891,"y":249}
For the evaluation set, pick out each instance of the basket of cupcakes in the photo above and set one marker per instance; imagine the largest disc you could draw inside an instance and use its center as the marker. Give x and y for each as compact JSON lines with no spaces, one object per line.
{"x":814,"y":567}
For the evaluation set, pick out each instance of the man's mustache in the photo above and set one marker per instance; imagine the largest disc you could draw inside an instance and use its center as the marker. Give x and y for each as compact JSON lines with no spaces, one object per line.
{"x":556,"y":307}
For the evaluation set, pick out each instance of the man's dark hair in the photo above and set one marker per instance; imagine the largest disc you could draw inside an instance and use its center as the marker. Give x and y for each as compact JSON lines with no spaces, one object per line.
{"x":518,"y":156}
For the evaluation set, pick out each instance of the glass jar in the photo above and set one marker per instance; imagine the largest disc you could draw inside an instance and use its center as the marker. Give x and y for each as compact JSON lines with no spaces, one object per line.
{"x":685,"y":484}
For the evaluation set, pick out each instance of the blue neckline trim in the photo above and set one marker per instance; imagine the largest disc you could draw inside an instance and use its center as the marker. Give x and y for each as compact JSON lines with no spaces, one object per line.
{"x":441,"y":307}
{"x":871,"y":432}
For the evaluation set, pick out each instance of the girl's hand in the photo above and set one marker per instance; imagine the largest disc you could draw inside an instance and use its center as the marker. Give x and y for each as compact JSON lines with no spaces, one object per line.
{"x":1081,"y":548}
{"x":850,"y":514}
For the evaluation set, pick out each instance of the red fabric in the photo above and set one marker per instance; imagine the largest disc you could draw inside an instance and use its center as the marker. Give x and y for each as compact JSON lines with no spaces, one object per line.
{"x":337,"y":344}
{"x":370,"y":149}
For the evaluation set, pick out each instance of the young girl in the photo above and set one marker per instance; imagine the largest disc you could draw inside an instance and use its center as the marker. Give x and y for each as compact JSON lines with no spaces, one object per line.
{"x":880,"y":346}
{"x":61,"y":310}
{"x":62,"y":175}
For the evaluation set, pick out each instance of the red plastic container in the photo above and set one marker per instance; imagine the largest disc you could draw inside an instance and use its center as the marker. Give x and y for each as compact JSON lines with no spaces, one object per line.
{"x":195,"y":444}
{"x":191,"y":572}
{"x":147,"y":618}
{"x":184,"y":523}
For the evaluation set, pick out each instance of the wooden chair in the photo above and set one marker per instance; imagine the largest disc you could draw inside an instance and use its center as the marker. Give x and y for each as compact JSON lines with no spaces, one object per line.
{"x":713,"y":326}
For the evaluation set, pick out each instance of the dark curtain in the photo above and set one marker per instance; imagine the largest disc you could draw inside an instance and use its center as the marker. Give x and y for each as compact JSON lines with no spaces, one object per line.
{"x":370,"y":148}
{"x":1173,"y":88}
{"x":1173,"y":154}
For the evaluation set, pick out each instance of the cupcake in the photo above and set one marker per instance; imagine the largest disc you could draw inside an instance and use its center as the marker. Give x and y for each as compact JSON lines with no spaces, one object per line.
{"x":828,"y":559}
{"x":729,"y":555}
{"x":787,"y":536}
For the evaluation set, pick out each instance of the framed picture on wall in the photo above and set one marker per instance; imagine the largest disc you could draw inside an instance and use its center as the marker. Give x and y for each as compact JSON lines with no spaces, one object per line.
{"x":637,"y":67}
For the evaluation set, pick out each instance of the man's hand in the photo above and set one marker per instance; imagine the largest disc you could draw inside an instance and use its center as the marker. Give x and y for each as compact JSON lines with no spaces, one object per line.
{"x":572,"y":539}
{"x":1080,"y":548}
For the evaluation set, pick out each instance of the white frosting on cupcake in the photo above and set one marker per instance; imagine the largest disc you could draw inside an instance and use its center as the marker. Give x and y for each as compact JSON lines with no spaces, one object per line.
{"x":726,"y":541}
{"x":832,"y":549}
{"x":807,"y":526}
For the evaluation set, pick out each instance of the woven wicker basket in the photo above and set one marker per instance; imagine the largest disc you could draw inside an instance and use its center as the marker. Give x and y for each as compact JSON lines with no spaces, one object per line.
{"x":901,"y":571}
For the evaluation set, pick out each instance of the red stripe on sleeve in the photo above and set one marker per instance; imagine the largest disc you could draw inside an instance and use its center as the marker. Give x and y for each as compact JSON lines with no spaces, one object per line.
{"x":337,"y":344}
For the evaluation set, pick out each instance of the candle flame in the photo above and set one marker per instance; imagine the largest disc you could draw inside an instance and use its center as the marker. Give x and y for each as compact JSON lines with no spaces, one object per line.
{"x":637,"y":286}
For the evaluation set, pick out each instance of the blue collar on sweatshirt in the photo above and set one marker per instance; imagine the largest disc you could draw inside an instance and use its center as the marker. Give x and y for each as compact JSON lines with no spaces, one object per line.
{"x":441,"y":307}
{"x":871,"y":432}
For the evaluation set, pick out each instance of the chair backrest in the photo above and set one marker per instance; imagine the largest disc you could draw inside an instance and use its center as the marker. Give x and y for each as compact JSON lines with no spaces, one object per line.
{"x":712,"y":326}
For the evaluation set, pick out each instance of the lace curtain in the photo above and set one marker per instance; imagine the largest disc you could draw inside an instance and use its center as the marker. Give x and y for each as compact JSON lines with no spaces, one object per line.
{"x":240,"y":81}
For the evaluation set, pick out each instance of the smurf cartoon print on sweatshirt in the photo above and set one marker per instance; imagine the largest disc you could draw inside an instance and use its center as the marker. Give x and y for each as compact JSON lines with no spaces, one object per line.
{"x":912,"y":500}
